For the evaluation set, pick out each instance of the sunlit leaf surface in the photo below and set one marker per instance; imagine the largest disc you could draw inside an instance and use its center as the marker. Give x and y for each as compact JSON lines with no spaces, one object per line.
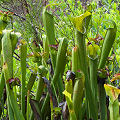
{"x":112,"y":92}
{"x":79,"y":21}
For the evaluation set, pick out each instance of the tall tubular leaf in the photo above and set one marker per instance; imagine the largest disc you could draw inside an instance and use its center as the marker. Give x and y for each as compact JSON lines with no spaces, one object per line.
{"x":75,"y":61}
{"x":49,"y":29}
{"x":102,"y":98}
{"x":92,"y":52}
{"x":61,"y":59}
{"x":6,"y":40}
{"x":13,"y":37}
{"x":79,"y":84}
{"x":43,"y":71}
{"x":93,"y":64}
{"x":80,"y":42}
{"x":7,"y":48}
{"x":107,"y":45}
{"x":8,"y":73}
{"x":31,"y":81}
{"x":60,"y":65}
{"x":46,"y":49}
{"x":81,"y":27}
{"x":23,"y":55}
{"x":93,"y":78}
{"x":14,"y":40}
{"x":39,"y":89}
{"x":78,"y":95}
{"x":10,"y":110}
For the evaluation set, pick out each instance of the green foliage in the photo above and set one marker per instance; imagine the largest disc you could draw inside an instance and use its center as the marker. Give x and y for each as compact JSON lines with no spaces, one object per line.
{"x":113,"y":93}
{"x":59,"y":36}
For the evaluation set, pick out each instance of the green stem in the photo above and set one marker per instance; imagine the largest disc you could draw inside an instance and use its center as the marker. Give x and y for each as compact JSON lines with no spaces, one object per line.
{"x":61,"y":88}
{"x":79,"y":84}
{"x":102,"y":98}
{"x":23,"y":55}
{"x":10,"y":111}
{"x":93,"y":80}
{"x":80,"y":43}
{"x":31,"y":81}
{"x":28,"y":99}
{"x":78,"y":96}
{"x":40,"y":88}
{"x":2,"y":85}
{"x":93,"y":75}
{"x":10,"y":95}
{"x":75,"y":61}
{"x":46,"y":49}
